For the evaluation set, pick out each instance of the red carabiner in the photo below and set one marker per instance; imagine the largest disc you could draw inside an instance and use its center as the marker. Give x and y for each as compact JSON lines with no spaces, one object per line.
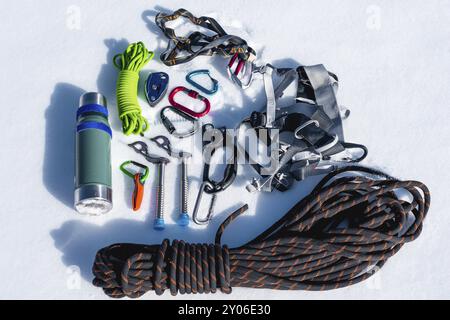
{"x":240,"y":65}
{"x":193,"y":94}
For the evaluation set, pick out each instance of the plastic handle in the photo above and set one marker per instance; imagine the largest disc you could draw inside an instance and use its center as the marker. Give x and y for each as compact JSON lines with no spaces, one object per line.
{"x":138,"y":193}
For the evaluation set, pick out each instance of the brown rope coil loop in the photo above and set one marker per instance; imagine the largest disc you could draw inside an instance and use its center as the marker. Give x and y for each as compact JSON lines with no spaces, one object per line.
{"x":342,"y":233}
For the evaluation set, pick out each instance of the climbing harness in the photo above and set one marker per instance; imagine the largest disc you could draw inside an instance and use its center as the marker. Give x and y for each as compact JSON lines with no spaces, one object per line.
{"x":156,"y":87}
{"x":170,"y":126}
{"x":164,"y":143}
{"x":130,"y":63}
{"x":308,"y":134}
{"x":183,"y":49}
{"x":139,"y":179}
{"x":220,"y":138}
{"x":193,"y":94}
{"x":214,"y":82}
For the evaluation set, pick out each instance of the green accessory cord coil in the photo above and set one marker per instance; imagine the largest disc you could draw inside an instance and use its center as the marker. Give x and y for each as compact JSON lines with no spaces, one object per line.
{"x":130,"y":63}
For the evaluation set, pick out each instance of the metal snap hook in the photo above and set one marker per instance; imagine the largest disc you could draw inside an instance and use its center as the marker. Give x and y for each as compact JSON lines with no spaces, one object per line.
{"x":242,"y":75}
{"x":171,"y":128}
{"x":208,"y":217}
{"x":215,"y":83}
{"x":193,"y":94}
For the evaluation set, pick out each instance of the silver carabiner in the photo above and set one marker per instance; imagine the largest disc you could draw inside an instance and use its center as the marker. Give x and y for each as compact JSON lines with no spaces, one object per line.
{"x":208,"y":217}
{"x":171,"y":128}
{"x":243,"y":73}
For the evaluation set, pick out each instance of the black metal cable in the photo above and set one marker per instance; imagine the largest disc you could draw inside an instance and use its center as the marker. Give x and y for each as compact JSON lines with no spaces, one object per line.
{"x":342,"y":233}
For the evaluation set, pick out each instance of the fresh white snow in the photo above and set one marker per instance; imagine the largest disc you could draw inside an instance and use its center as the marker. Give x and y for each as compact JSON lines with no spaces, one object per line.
{"x":392,"y":58}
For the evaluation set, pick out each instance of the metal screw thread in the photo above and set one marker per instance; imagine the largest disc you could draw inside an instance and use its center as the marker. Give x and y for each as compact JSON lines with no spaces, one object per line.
{"x":160,"y":194}
{"x":184,"y":187}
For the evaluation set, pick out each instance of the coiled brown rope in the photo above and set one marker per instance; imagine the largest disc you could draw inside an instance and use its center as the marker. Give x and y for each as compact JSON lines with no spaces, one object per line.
{"x":342,"y":233}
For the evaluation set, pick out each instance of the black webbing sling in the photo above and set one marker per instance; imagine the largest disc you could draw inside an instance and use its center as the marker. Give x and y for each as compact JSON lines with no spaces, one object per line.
{"x":184,"y":49}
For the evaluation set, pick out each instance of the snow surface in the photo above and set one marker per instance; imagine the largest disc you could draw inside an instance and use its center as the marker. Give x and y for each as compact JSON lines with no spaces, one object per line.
{"x":392,"y":58}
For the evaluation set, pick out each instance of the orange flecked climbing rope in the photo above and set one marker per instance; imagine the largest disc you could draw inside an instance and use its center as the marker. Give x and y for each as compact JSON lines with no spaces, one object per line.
{"x":342,"y":233}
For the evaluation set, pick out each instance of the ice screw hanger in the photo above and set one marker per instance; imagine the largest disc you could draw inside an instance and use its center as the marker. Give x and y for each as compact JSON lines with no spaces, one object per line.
{"x":193,"y":94}
{"x":139,"y":178}
{"x":214,"y":82}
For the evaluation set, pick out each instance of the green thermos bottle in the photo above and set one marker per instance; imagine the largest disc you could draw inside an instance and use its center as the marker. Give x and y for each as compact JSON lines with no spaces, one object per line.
{"x":93,"y":188}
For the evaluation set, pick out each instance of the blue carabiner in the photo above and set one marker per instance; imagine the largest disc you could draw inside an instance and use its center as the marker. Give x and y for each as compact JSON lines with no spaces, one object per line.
{"x":215,"y":83}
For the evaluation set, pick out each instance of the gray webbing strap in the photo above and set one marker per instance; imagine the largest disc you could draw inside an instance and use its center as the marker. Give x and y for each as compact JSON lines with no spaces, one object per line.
{"x":270,"y":95}
{"x":325,"y":97}
{"x":288,"y":77}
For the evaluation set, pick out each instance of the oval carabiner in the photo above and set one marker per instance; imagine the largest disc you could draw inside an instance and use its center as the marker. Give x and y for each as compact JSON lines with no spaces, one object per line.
{"x":193,"y":94}
{"x":171,"y":128}
{"x":215,"y":83}
{"x":197,"y":205}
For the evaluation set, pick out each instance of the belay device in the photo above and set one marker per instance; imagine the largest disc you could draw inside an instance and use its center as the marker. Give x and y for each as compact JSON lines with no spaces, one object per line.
{"x":156,"y":87}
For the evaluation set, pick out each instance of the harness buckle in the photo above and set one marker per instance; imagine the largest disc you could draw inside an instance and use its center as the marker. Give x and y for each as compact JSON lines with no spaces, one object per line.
{"x":309,"y":156}
{"x":303,"y":126}
{"x":193,"y":94}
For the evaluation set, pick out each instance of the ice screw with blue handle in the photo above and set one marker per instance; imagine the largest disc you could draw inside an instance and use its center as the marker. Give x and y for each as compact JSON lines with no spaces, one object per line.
{"x":214,"y":82}
{"x":164,"y":143}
